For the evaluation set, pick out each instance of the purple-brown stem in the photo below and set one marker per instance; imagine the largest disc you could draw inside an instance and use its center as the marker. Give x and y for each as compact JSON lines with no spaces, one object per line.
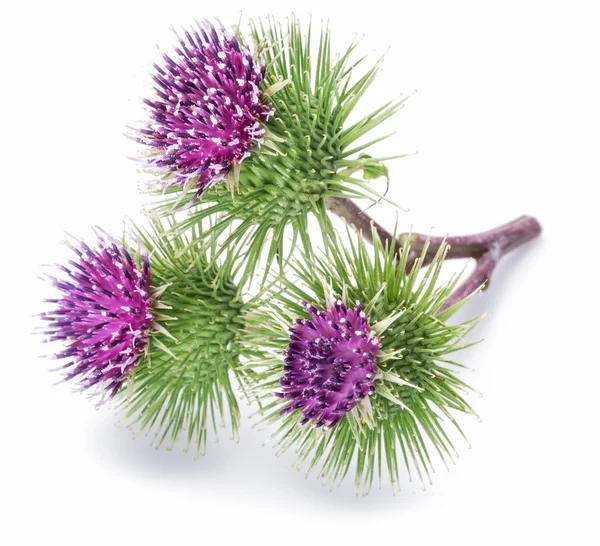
{"x":487,"y":247}
{"x":478,"y":279}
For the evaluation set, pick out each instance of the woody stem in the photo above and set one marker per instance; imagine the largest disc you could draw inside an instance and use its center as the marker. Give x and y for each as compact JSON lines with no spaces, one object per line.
{"x":487,"y":247}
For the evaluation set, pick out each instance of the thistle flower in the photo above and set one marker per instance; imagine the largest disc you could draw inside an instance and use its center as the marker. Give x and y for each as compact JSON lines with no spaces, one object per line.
{"x":382,"y":406}
{"x":318,"y":153}
{"x":165,"y":348}
{"x":330,"y":363}
{"x":103,"y":314}
{"x":208,"y":112}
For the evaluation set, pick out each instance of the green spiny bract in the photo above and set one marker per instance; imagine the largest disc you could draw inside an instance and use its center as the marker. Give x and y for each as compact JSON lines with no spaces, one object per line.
{"x":416,"y":386}
{"x":311,"y":150}
{"x":183,"y":386}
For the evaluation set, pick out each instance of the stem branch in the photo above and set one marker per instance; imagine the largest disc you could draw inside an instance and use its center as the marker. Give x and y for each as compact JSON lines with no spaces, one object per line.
{"x":487,"y":247}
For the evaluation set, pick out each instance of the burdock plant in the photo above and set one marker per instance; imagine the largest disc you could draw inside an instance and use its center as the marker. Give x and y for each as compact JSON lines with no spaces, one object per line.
{"x":359,"y":362}
{"x":349,"y":350}
{"x":158,"y":331}
{"x":313,"y":152}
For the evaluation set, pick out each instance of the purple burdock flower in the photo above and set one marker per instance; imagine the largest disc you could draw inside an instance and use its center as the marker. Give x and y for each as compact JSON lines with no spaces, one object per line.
{"x":330,"y":364}
{"x":207,"y":113}
{"x":102,"y":316}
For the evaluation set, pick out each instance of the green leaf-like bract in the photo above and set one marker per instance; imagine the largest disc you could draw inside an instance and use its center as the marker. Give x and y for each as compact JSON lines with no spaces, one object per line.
{"x":183,"y":386}
{"x":416,"y":388}
{"x":315,"y":155}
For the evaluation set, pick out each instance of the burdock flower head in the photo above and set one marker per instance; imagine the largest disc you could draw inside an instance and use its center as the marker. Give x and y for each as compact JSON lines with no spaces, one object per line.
{"x":103,"y":314}
{"x":330,"y":363}
{"x":165,"y":343}
{"x":372,"y":384}
{"x":208,"y":109}
{"x":315,"y":144}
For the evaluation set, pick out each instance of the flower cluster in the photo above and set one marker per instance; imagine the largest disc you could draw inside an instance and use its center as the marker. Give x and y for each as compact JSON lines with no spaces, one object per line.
{"x":353,"y":359}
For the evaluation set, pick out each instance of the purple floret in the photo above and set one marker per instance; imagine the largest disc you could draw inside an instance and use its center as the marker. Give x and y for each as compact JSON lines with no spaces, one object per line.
{"x":207,"y":111}
{"x":330,"y":364}
{"x":102,"y":316}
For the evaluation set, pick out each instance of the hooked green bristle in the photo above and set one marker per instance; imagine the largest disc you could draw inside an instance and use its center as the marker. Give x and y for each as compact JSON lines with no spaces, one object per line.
{"x":183,"y":387}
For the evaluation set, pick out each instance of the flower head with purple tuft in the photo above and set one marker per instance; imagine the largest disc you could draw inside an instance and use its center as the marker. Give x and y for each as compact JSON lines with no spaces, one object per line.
{"x":330,"y":364}
{"x":153,"y":330}
{"x":355,"y":383}
{"x":274,"y":125}
{"x":104,"y":314}
{"x":208,"y":109}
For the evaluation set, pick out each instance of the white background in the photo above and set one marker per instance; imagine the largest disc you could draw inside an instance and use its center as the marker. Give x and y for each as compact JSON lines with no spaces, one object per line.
{"x":506,"y":121}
